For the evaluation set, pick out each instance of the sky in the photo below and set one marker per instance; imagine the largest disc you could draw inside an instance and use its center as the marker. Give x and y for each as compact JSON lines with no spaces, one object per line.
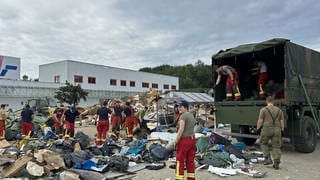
{"x":133,"y":34}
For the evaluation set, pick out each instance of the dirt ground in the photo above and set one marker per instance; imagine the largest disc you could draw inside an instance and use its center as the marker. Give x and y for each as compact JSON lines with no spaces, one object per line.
{"x":294,"y":165}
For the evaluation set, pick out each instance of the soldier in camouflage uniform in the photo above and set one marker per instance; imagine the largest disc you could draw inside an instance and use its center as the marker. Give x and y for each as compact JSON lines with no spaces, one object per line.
{"x":271,"y":120}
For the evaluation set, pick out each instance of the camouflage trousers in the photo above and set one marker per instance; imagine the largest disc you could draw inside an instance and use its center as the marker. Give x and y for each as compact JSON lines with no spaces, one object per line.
{"x":273,"y":134}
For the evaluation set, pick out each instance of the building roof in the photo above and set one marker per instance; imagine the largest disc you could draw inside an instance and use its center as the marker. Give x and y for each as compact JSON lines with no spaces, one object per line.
{"x":189,"y":97}
{"x":101,"y":65}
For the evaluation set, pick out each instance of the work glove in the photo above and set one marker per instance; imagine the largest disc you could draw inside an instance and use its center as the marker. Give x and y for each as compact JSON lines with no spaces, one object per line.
{"x":259,"y":131}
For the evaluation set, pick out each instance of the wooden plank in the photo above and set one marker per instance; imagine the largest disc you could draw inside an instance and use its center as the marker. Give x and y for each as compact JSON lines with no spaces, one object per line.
{"x":15,"y":167}
{"x":4,"y":143}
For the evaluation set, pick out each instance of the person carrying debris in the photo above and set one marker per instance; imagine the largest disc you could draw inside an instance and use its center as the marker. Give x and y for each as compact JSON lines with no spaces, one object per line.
{"x":185,"y":143}
{"x":271,"y":124}
{"x":3,"y":118}
{"x":58,"y":121}
{"x":116,"y":118}
{"x":70,"y":116}
{"x":103,"y":123}
{"x":232,"y":81}
{"x":260,"y":69}
{"x":26,"y":121}
{"x":176,"y":111}
{"x":129,"y":120}
{"x":143,"y":122}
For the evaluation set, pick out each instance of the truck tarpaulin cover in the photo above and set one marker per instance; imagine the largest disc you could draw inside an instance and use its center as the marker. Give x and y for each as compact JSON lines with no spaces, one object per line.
{"x":305,"y":62}
{"x":249,"y":48}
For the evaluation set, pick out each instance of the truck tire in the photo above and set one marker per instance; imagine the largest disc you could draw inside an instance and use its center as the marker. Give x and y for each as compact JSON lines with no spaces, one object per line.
{"x":307,"y":142}
{"x":243,"y":130}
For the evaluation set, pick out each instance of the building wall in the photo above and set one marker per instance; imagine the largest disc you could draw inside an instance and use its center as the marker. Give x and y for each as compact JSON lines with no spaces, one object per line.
{"x":103,"y":74}
{"x":16,"y":92}
{"x":9,"y":67}
{"x":47,"y":72}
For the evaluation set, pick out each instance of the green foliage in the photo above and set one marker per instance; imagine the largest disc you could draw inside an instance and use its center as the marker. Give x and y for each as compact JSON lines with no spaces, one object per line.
{"x":25,"y":77}
{"x":190,"y":76}
{"x":71,"y":94}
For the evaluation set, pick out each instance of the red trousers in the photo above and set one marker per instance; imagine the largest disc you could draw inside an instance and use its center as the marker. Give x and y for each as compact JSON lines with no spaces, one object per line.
{"x":261,"y":82}
{"x":233,"y":86}
{"x":129,"y":123}
{"x":185,"y":153}
{"x":116,"y":121}
{"x":2,"y":127}
{"x":102,"y":128}
{"x":70,"y":128}
{"x":26,"y":127}
{"x":58,"y":126}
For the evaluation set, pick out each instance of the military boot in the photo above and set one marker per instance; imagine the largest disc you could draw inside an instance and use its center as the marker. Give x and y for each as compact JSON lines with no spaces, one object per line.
{"x":276,"y":165}
{"x":267,"y":161}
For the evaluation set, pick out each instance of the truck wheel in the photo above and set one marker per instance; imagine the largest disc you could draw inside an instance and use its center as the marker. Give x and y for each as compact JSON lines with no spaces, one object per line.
{"x":243,"y":130}
{"x":307,"y":142}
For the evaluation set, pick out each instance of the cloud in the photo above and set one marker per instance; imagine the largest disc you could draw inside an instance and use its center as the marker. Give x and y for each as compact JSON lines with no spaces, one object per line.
{"x":141,"y":33}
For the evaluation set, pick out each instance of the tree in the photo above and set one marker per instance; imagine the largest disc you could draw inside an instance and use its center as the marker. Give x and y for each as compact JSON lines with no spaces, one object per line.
{"x":190,"y":76}
{"x":25,"y":77}
{"x":71,"y":94}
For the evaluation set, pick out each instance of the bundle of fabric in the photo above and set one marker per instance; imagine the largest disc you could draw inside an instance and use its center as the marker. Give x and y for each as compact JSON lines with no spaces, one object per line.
{"x":216,"y":159}
{"x":158,"y":152}
{"x":119,"y":163}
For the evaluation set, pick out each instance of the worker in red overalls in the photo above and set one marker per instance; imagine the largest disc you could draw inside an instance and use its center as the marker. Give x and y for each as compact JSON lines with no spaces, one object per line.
{"x":26,"y":121}
{"x":185,"y":143}
{"x":129,"y":120}
{"x":103,"y":123}
{"x":70,"y":116}
{"x":3,"y":118}
{"x":116,"y":118}
{"x":260,"y":69}
{"x":58,"y":121}
{"x":232,"y":81}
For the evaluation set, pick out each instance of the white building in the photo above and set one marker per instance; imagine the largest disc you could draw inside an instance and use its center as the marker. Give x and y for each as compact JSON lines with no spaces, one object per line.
{"x":9,"y":67}
{"x":105,"y":78}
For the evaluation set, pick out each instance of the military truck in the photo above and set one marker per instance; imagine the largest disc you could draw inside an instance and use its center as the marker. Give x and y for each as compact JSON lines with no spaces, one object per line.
{"x":293,"y":80}
{"x":42,"y":105}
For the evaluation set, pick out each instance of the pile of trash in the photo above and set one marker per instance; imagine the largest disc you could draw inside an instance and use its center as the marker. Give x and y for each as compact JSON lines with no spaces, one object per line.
{"x":79,"y":158}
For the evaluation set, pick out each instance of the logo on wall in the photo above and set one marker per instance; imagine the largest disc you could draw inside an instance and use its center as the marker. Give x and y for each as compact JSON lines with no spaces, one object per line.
{"x":6,"y":68}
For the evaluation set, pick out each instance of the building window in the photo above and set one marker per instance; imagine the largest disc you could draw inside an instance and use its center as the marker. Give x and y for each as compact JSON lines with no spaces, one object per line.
{"x":78,"y":79}
{"x":113,"y":82}
{"x":173,"y":87}
{"x":145,"y":85}
{"x":91,"y":80}
{"x":123,"y":82}
{"x":154,"y":85}
{"x":56,"y":79}
{"x":132,"y":83}
{"x":166,"y":86}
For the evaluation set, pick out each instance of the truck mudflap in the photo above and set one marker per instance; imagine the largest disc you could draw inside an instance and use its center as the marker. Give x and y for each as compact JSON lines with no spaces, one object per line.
{"x":252,"y":136}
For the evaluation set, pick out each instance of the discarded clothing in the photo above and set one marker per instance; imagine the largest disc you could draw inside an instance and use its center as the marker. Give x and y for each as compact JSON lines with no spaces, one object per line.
{"x":217,"y":139}
{"x":119,"y":163}
{"x":202,"y":144}
{"x":158,"y":152}
{"x":216,"y":159}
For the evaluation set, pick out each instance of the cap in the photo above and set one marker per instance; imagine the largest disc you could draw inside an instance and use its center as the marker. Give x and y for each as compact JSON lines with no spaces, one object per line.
{"x":184,"y":104}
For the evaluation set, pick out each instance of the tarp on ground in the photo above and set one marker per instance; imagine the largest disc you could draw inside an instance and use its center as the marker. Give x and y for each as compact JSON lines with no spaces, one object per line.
{"x":189,"y":97}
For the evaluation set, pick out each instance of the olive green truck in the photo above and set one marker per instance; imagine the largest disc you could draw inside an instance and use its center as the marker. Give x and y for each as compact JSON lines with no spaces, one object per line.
{"x":293,"y":80}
